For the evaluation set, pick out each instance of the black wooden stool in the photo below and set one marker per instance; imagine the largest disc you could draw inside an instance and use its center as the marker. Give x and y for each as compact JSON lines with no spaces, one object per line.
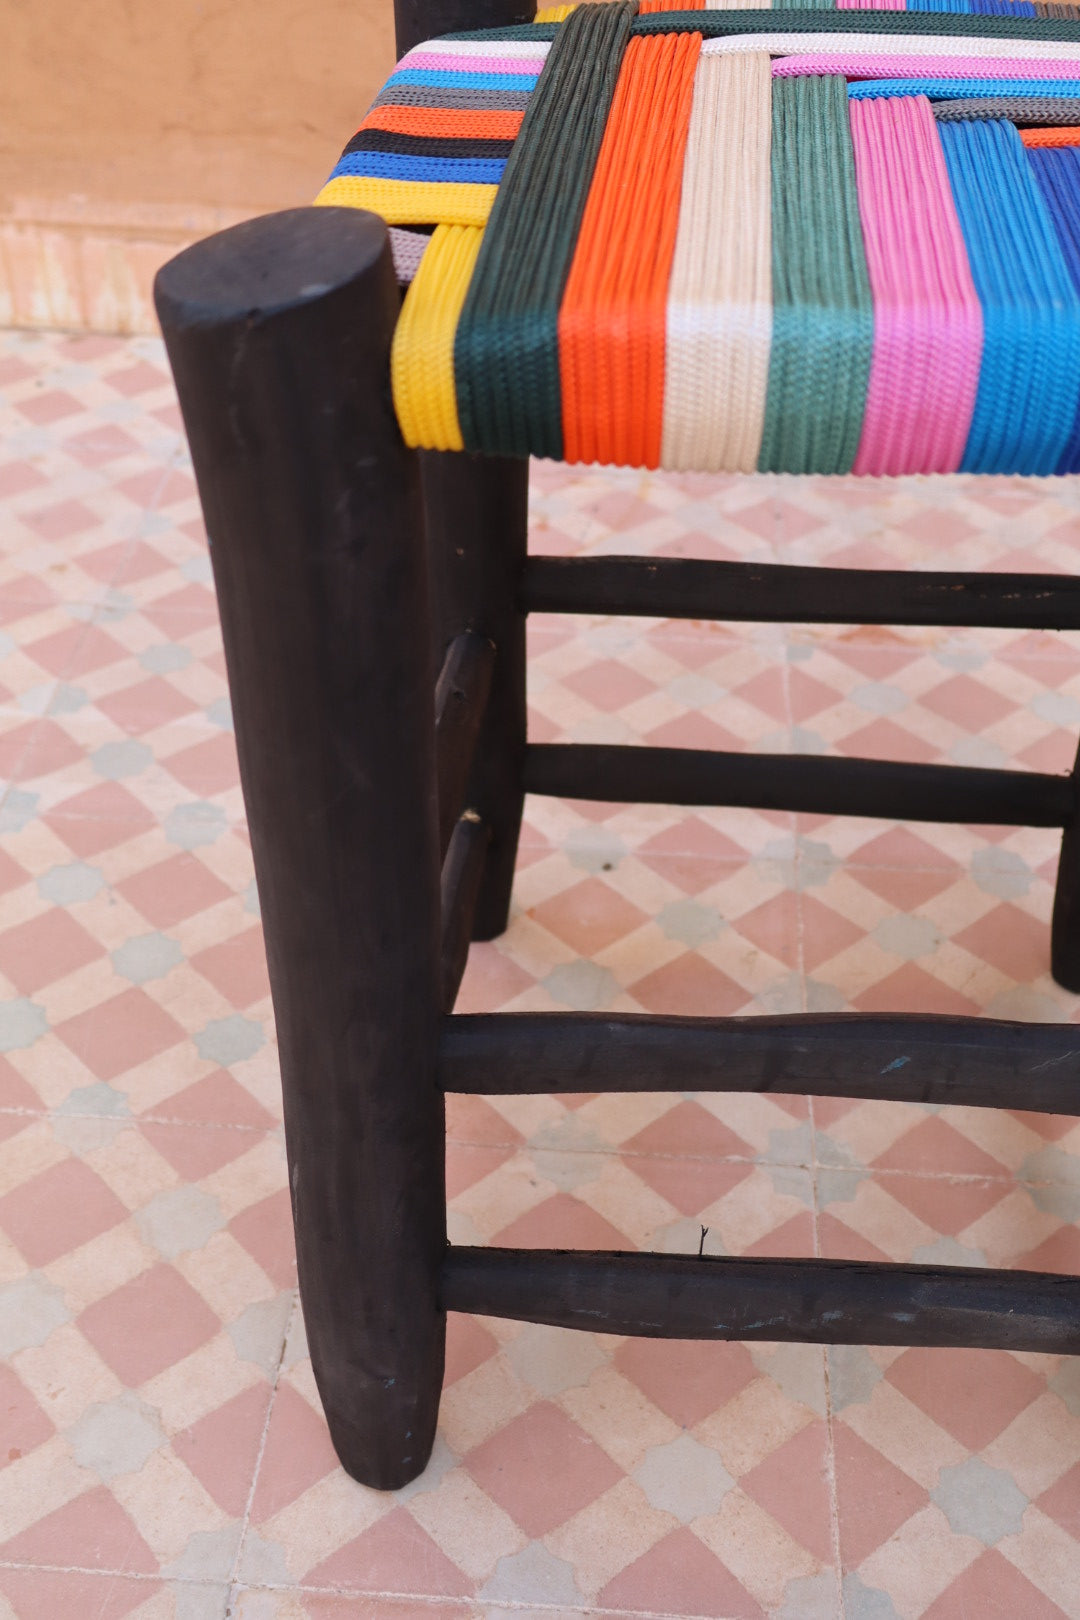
{"x":348,"y":568}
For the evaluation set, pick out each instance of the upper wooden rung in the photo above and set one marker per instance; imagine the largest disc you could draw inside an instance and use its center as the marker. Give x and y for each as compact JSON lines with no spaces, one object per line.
{"x":896,"y":1057}
{"x":689,"y":588}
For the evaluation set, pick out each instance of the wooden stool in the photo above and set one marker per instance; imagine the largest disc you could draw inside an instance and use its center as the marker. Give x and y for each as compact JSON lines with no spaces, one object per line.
{"x":347,"y":569}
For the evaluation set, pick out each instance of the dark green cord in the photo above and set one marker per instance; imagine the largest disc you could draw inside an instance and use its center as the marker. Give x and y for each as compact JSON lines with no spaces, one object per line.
{"x":823,"y":313}
{"x":506,"y":354}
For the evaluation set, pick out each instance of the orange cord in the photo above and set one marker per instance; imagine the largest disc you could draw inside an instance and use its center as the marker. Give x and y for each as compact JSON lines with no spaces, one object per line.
{"x":614,"y":309}
{"x":670,"y":5}
{"x":1062,"y":135}
{"x":464,"y":123}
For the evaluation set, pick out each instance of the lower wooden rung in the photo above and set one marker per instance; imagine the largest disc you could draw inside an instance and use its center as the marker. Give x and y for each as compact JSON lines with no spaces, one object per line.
{"x":893,"y":790}
{"x":662,"y":1296}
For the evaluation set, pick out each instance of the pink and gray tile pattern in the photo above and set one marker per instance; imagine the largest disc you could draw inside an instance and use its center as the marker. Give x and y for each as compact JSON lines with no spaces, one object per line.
{"x":162,"y":1449}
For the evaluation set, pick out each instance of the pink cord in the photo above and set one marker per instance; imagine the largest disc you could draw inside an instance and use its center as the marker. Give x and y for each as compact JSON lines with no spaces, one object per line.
{"x":928,"y":327}
{"x":855,"y":65}
{"x":433,"y":62}
{"x":871,"y":5}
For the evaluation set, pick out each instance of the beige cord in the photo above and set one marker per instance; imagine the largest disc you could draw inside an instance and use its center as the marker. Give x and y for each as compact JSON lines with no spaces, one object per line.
{"x":719,"y":317}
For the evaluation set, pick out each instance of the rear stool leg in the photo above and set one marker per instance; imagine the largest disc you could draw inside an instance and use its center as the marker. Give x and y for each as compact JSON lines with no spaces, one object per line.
{"x":418,"y":20}
{"x":1065,"y":930}
{"x":279,"y":336}
{"x":476,"y":514}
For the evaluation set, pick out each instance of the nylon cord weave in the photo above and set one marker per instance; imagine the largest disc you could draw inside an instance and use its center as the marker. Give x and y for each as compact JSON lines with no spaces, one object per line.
{"x":719,"y":315}
{"x":612,"y":321}
{"x":1029,"y":385}
{"x":822,"y":310}
{"x":505,"y":351}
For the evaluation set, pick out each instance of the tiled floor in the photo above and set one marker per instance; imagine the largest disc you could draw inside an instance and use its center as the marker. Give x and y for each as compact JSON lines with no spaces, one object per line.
{"x":165,"y":1455}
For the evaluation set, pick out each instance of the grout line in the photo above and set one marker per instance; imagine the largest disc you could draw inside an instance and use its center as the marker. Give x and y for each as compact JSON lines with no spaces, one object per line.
{"x":112,"y":1574}
{"x":234,"y":1577}
{"x":1005,"y":1177}
{"x":432,"y":1600}
{"x":139,"y":533}
{"x":830,"y":1474}
{"x":612,"y":1150}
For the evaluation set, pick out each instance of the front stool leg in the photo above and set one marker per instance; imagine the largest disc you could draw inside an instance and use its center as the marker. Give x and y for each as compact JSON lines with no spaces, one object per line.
{"x":279,"y":336}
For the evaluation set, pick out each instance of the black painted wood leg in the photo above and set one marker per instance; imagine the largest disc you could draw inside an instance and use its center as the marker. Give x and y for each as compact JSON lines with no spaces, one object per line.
{"x":279,"y":335}
{"x":475,"y":512}
{"x":417,"y":20}
{"x":1065,"y":929}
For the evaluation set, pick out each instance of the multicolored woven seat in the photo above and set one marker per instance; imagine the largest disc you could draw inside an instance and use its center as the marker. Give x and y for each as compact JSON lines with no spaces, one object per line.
{"x":823,"y":242}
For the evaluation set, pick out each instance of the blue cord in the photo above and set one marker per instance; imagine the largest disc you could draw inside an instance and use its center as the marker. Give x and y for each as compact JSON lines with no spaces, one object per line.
{"x":1029,"y":382}
{"x":1057,"y":174}
{"x":404,"y":166}
{"x":947,"y":89}
{"x":435,"y":78}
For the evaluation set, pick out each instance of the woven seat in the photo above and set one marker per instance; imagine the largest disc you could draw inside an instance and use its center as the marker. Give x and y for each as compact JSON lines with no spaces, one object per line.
{"x":805,"y":242}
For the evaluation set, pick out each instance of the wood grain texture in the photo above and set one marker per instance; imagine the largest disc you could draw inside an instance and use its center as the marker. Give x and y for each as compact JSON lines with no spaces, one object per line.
{"x":279,"y":336}
{"x":896,"y":1057}
{"x":816,"y":785}
{"x":777,"y":593}
{"x":475,"y":512}
{"x":461,"y":699}
{"x":462,"y":875}
{"x":664,"y":1296}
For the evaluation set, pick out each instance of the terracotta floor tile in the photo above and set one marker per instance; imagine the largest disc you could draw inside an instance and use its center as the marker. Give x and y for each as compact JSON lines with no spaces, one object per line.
{"x":681,"y":1575}
{"x":541,"y":1469}
{"x":25,"y":1426}
{"x":588,"y":917}
{"x":690,"y":985}
{"x":217,"y":1099}
{"x":93,"y":1532}
{"x":395,"y":1555}
{"x":875,"y":1497}
{"x":685,"y":1128}
{"x":690,"y":1185}
{"x":149,"y":1324}
{"x":994,"y":1588}
{"x":35,"y":1594}
{"x":265,"y":1230}
{"x":561,"y":1223}
{"x":236,"y":967}
{"x":973,"y":1394}
{"x":45,"y":949}
{"x":688,"y":1381}
{"x":1062,"y":1502}
{"x":196,"y":1151}
{"x":61,"y":1209}
{"x":222,"y":1449}
{"x":791,"y":1485}
{"x":297,"y":1453}
{"x":117,"y":1034}
{"x":468,"y":1346}
{"x":173,"y":890}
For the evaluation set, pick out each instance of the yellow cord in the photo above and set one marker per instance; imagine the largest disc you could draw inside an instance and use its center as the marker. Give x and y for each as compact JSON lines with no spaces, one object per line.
{"x":554,"y":14}
{"x":411,"y":202}
{"x":422,"y":356}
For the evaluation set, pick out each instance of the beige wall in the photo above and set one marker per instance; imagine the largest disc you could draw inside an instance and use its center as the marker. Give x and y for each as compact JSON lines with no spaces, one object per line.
{"x":130,"y":126}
